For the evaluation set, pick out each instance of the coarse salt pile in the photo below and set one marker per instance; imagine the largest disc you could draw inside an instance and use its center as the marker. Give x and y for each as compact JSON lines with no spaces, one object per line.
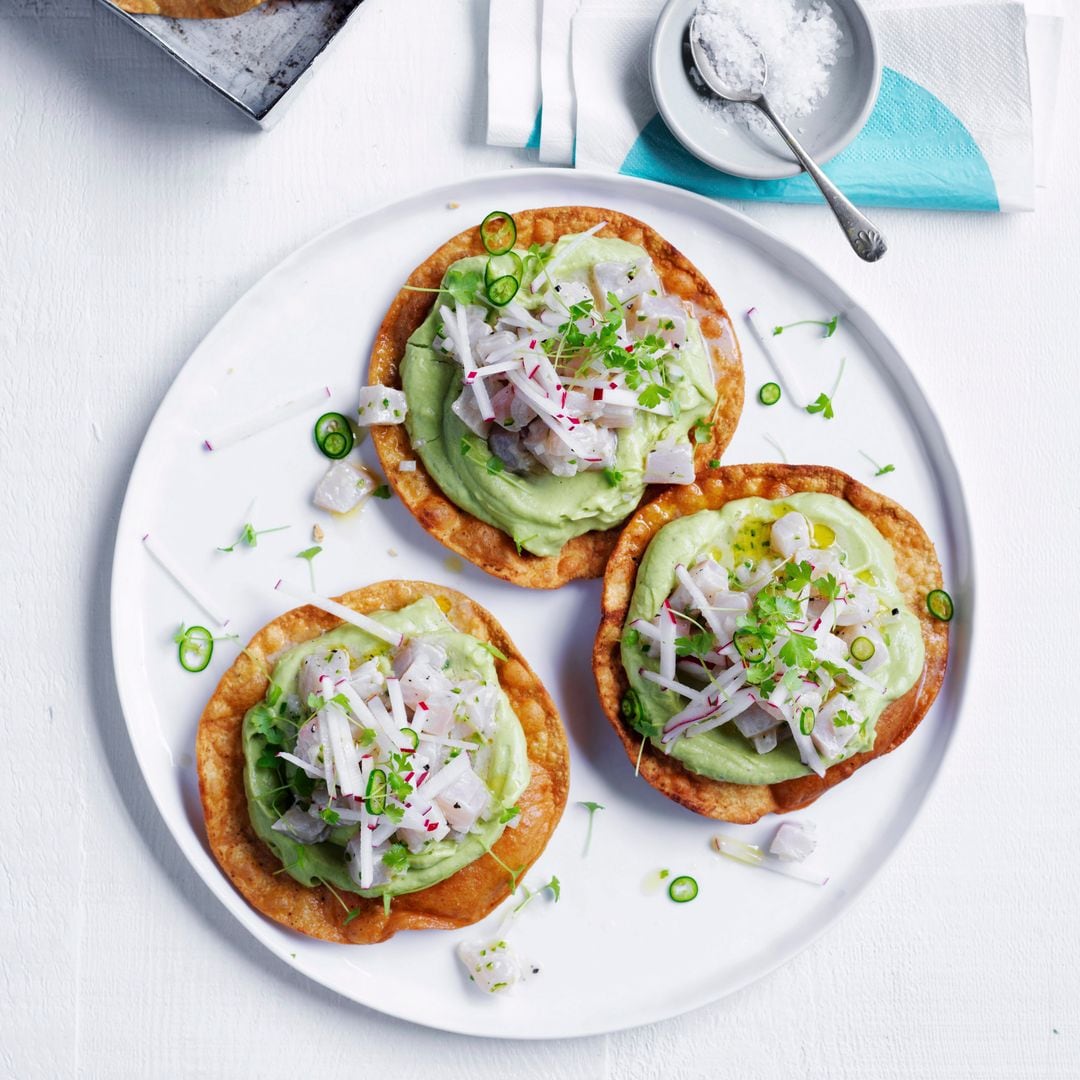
{"x":800,"y":43}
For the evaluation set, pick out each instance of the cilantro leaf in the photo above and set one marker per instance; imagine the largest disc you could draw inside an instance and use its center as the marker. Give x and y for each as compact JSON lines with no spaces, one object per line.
{"x":797,"y":575}
{"x":464,"y":285}
{"x":509,"y":814}
{"x":798,"y":651}
{"x":396,"y":858}
{"x":382,"y":491}
{"x":828,"y":586}
{"x":495,"y":465}
{"x":695,"y":645}
{"x":309,"y":553}
{"x":823,"y":405}
{"x":613,"y":477}
{"x":843,"y":719}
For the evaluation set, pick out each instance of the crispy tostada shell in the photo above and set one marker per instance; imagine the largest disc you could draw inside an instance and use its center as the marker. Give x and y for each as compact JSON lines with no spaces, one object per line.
{"x":490,"y":548}
{"x":461,"y":899}
{"x":918,"y":572}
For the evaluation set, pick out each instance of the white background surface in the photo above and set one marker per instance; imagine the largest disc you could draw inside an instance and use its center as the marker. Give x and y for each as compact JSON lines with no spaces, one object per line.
{"x":134,"y":209}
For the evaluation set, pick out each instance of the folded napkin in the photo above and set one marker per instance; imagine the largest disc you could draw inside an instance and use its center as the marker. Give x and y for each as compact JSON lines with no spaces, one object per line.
{"x":513,"y":72}
{"x":953,"y":128}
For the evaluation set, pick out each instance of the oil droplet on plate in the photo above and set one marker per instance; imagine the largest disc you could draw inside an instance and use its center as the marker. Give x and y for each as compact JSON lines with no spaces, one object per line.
{"x":453,"y":564}
{"x":654,"y":880}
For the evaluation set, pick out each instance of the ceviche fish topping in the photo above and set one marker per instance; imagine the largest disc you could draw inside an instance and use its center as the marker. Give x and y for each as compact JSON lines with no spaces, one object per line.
{"x":551,"y":386}
{"x":390,"y":757}
{"x":780,"y":638}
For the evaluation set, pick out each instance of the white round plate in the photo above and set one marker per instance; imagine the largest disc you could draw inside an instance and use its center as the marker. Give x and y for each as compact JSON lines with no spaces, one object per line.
{"x":733,"y":147}
{"x":311,"y":322}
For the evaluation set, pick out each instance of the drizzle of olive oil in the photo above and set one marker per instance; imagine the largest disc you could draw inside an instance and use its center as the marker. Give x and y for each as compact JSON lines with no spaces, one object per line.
{"x":822,"y":536}
{"x":752,"y":540}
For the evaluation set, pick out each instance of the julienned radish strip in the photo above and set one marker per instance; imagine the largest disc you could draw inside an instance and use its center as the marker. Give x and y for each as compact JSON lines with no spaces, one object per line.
{"x":454,"y":768}
{"x":752,"y":855}
{"x":346,"y":614}
{"x":310,"y":770}
{"x":787,"y":379}
{"x":166,"y":561}
{"x":243,"y":429}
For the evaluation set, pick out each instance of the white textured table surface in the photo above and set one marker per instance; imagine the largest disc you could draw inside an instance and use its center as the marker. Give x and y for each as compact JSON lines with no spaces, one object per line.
{"x":134,"y":209}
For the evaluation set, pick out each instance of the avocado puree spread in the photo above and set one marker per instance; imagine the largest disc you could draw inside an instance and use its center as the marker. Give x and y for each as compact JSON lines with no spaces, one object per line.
{"x":541,"y":511}
{"x":507,"y":765}
{"x":739,"y":533}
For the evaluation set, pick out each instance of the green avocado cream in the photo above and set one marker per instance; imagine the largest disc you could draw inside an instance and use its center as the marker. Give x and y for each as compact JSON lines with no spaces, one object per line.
{"x":506,"y":777}
{"x":738,"y":533}
{"x":541,"y":512}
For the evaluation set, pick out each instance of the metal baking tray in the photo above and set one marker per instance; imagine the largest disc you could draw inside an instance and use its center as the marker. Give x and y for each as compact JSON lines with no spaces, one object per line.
{"x":255,"y":60}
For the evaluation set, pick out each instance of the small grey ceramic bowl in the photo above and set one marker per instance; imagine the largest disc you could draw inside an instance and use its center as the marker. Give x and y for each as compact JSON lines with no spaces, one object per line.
{"x":732,"y":146}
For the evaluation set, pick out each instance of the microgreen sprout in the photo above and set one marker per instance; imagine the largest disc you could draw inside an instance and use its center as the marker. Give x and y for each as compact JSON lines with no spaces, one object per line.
{"x":554,"y":886}
{"x":882,"y":470}
{"x":382,"y":491}
{"x":514,"y":874}
{"x":829,"y":325}
{"x":309,"y":554}
{"x":824,"y":402}
{"x":592,"y":807}
{"x":249,"y":536}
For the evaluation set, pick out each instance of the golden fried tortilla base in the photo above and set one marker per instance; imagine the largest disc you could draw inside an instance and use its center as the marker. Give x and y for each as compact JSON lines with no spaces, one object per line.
{"x":463,"y":898}
{"x":918,"y":572}
{"x":188,"y":9}
{"x":490,"y":548}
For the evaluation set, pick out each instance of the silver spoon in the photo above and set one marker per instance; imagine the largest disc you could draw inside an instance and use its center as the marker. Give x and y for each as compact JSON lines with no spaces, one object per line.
{"x":862,"y":233}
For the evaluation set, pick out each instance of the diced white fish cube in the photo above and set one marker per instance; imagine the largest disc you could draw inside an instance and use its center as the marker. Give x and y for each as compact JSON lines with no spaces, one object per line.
{"x":670,"y":463}
{"x":794,"y":841}
{"x":663,"y":316}
{"x":766,"y":741}
{"x":333,"y":665}
{"x":789,"y":533}
{"x":857,"y":606}
{"x":836,"y":725}
{"x":624,"y":280}
{"x":492,"y":965}
{"x":754,"y":721}
{"x":521,"y":412}
{"x":502,"y":405}
{"x":551,"y":451}
{"x":468,"y":412}
{"x":435,"y":713}
{"x":416,"y":648}
{"x":368,"y":679}
{"x":464,"y":801}
{"x":380,"y":404}
{"x":421,"y":681}
{"x":301,"y":826}
{"x":343,"y":487}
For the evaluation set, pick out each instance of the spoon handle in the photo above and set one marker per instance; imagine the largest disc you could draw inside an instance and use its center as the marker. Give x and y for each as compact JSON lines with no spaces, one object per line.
{"x":863,"y":235}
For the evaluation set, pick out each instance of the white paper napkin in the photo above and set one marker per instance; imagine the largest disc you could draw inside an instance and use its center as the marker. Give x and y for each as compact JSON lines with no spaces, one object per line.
{"x":971,"y":56}
{"x":513,"y":67}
